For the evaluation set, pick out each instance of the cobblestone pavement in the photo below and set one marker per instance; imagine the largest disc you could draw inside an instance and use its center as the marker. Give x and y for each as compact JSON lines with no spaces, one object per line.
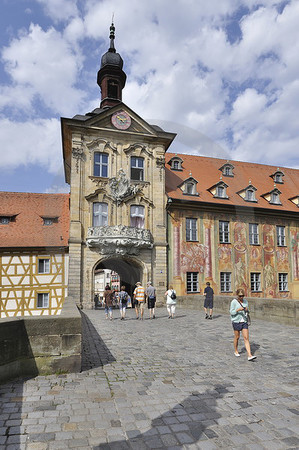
{"x":161,"y":383}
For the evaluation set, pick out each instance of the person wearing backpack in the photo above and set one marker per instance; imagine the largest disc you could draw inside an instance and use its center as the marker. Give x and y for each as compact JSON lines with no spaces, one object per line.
{"x":170,"y":302}
{"x":123,"y":300}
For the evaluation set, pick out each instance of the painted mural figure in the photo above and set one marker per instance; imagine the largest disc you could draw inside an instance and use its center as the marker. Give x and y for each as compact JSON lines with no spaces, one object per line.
{"x":269,"y":275}
{"x":240,"y":274}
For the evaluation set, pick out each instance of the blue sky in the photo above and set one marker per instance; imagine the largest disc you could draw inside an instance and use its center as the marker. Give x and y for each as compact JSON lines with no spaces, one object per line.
{"x":223,"y":75}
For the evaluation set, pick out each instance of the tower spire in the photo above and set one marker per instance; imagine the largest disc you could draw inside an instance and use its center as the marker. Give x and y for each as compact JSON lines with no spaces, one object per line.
{"x":111,"y":77}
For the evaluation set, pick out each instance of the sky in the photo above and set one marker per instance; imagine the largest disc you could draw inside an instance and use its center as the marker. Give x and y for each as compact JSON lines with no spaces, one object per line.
{"x":223,"y":75}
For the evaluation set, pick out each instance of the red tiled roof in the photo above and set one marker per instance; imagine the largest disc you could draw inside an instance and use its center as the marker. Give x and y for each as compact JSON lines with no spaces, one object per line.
{"x":206,"y":171}
{"x":27,"y":228}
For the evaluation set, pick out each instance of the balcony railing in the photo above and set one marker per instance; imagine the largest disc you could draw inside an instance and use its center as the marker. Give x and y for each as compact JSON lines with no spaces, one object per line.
{"x":119,"y":239}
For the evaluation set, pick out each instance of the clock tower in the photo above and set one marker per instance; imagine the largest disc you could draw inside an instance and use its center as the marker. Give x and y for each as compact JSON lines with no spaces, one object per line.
{"x":111,"y":77}
{"x":115,"y":164}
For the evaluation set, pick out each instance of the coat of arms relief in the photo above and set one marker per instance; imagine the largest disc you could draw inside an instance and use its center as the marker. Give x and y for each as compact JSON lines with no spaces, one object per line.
{"x":121,"y":188}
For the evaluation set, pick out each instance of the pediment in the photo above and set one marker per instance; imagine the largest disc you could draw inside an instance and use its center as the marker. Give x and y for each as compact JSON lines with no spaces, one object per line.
{"x":103,"y":119}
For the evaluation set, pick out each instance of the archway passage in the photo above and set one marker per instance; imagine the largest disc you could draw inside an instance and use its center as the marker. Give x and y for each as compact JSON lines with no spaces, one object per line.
{"x":129,"y":272}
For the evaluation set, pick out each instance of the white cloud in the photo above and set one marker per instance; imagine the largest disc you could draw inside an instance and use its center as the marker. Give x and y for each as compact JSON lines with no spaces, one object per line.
{"x":33,"y":142}
{"x":43,"y":64}
{"x":60,"y":10}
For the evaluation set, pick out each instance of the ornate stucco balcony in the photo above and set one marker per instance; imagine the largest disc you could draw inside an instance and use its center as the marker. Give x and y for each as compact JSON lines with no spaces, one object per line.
{"x":119,"y":239}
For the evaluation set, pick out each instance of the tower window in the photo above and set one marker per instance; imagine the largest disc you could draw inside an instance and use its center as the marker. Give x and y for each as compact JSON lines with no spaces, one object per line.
{"x":137,"y":216}
{"x":137,"y":168}
{"x":100,"y":165}
{"x":100,"y":214}
{"x":112,"y":89}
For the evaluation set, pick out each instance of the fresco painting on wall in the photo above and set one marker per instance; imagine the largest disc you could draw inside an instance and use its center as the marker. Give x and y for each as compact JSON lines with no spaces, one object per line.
{"x":255,"y":262}
{"x":225,"y":257}
{"x":269,"y":271}
{"x":193,"y":257}
{"x":282,"y":258}
{"x":295,"y":252}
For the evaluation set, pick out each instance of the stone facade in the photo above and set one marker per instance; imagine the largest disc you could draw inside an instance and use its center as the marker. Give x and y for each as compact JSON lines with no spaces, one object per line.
{"x":137,"y":253}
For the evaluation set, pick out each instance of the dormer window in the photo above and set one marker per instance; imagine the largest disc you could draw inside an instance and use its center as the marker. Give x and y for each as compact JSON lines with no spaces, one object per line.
{"x":176,"y":163}
{"x":248,"y":194}
{"x":4,"y":220}
{"x":50,"y":220}
{"x":221,"y":190}
{"x":275,"y":198}
{"x":278,"y":176}
{"x":227,"y":170}
{"x":295,"y":200}
{"x":189,"y":186}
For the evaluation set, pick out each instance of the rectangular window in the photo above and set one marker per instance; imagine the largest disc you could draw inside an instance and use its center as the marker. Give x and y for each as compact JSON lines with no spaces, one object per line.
{"x":253,"y":234}
{"x":281,"y":238}
{"x":223,"y":232}
{"x":100,"y":214}
{"x":100,"y":165}
{"x":283,"y":282}
{"x":192,"y":281}
{"x":191,"y":229}
{"x":255,"y":282}
{"x":137,"y":170}
{"x":137,"y":216}
{"x":43,"y":300}
{"x":225,"y":281}
{"x":44,"y":265}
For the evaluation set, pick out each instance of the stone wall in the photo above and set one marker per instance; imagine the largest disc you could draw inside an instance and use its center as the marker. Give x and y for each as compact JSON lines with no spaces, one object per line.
{"x":41,"y":345}
{"x":282,"y":311}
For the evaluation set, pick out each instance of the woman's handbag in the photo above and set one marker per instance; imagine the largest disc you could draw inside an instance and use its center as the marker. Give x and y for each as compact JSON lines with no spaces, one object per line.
{"x":247,"y":315}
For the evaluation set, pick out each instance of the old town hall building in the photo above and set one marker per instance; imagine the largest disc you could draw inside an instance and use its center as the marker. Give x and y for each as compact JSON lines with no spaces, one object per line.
{"x":148,"y":214}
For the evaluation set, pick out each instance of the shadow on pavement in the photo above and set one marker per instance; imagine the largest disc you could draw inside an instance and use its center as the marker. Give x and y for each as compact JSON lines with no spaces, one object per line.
{"x":185,"y":424}
{"x":94,"y":351}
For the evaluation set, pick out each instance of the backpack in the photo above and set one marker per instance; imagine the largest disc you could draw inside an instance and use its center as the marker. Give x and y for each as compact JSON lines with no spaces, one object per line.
{"x":173,"y":295}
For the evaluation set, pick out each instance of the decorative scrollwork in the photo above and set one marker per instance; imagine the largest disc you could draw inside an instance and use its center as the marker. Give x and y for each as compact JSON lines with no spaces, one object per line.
{"x":79,"y":155}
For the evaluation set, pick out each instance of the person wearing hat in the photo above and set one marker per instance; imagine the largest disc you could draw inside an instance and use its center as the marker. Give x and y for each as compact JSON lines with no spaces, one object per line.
{"x":151,"y":299}
{"x":139,"y":299}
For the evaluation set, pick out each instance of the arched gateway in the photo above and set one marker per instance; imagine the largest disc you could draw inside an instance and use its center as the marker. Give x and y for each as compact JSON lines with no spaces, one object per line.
{"x":115,"y":164}
{"x":130,"y":270}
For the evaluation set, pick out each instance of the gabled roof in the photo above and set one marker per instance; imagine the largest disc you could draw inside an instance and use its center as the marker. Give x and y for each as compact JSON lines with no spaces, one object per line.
{"x":98,"y":123}
{"x":206,"y":170}
{"x":27,"y":228}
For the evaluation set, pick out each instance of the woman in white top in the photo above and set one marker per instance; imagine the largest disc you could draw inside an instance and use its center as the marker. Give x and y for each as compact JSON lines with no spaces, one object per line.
{"x":170,"y":302}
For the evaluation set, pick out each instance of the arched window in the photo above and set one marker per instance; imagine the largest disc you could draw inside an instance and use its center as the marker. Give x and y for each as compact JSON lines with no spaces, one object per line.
{"x":100,"y":214}
{"x":190,"y":188}
{"x":137,"y":216}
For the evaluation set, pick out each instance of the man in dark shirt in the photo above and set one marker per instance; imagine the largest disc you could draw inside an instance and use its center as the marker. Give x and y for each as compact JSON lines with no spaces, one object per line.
{"x":208,"y":304}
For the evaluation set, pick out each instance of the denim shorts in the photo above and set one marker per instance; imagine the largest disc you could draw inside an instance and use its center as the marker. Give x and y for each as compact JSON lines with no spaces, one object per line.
{"x":239,"y":326}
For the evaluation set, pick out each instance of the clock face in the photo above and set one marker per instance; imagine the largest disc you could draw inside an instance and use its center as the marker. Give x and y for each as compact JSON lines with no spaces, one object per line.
{"x":121,"y":120}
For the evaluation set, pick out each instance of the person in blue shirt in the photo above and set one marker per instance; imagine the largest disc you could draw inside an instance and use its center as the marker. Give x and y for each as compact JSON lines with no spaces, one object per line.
{"x":238,"y":310}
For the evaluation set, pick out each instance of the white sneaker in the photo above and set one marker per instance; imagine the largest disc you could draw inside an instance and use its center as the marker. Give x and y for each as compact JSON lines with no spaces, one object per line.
{"x":237,"y":354}
{"x":251,"y":358}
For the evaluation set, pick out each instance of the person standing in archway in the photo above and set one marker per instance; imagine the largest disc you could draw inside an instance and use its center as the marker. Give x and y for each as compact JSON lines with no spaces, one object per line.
{"x":139,"y":299}
{"x":108,"y":301}
{"x":151,"y":299}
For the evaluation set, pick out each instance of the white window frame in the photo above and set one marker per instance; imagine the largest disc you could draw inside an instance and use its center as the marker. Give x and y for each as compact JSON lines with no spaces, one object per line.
{"x":192,"y":282}
{"x":281,"y":236}
{"x":227,"y":171}
{"x":250,"y":195}
{"x":101,"y":165}
{"x":191,"y":229}
{"x":225,"y":281}
{"x":100,"y":216}
{"x":220,"y":191}
{"x":254,"y":234}
{"x":283,"y":282}
{"x":275,"y":198}
{"x":137,"y":168}
{"x":137,"y":215}
{"x":223,"y":232}
{"x":255,"y":282}
{"x":43,"y":265}
{"x":44,"y":299}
